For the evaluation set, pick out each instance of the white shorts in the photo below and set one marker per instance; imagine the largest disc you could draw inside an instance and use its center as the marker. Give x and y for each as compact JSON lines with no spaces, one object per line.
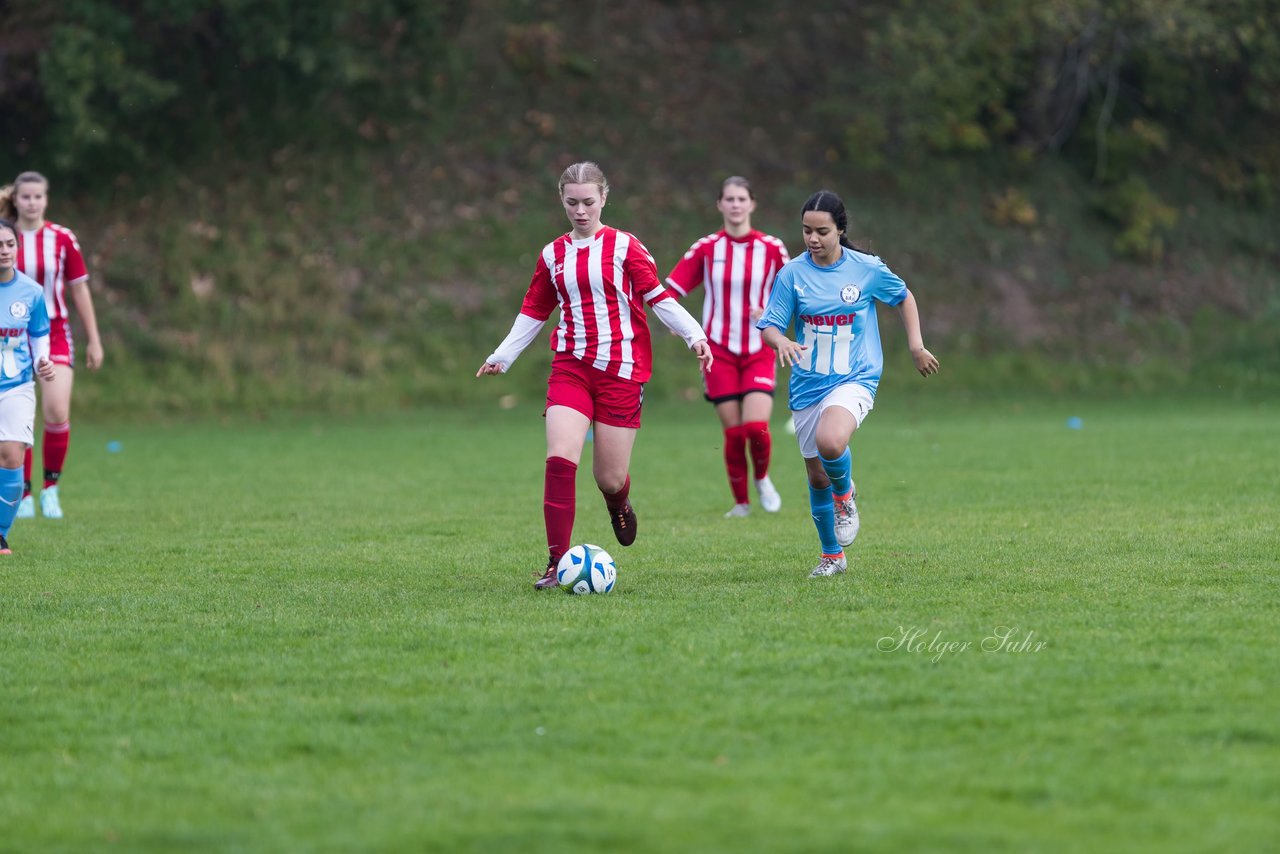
{"x":18,"y":413}
{"x":851,"y":396}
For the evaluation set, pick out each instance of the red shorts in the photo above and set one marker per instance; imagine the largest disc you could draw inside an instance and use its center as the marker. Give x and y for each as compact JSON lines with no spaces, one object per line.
{"x":602,"y":397}
{"x":62,"y":349}
{"x":733,"y":375}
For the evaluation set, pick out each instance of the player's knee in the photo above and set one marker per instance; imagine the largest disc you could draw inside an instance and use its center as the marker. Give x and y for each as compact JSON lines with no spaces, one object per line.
{"x":610,"y":482}
{"x":54,"y":408}
{"x":830,"y":447}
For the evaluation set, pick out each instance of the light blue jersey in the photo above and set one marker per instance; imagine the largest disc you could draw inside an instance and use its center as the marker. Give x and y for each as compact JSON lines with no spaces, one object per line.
{"x":834,"y":310}
{"x":23,"y":315}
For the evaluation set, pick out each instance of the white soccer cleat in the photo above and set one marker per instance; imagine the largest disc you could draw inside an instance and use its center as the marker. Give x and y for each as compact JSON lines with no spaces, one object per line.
{"x":738,"y":511}
{"x":830,"y":566}
{"x":770,"y":500}
{"x":847,"y":522}
{"x":27,"y":508}
{"x":50,"y":507}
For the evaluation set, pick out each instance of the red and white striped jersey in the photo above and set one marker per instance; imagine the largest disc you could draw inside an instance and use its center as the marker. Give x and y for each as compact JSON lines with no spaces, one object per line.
{"x":738,"y":273}
{"x":51,"y":256}
{"x":601,"y":285}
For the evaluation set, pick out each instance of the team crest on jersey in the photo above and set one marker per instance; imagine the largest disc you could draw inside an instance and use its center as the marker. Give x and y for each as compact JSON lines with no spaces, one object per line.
{"x":18,"y":310}
{"x":849,"y":294}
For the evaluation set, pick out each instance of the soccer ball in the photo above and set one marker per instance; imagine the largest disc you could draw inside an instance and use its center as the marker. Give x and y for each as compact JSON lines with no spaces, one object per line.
{"x":586,"y":569}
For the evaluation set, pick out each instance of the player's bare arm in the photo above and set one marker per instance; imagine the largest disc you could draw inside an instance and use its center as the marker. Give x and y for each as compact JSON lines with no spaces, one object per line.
{"x":84,"y":305}
{"x":926,"y":363}
{"x":789,"y":351}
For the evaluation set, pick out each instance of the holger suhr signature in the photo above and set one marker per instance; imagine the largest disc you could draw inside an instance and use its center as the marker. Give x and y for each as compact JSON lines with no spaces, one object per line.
{"x":1004,"y":639}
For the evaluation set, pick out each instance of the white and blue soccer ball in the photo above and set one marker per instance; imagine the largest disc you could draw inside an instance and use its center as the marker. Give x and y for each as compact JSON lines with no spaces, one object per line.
{"x":586,"y":569}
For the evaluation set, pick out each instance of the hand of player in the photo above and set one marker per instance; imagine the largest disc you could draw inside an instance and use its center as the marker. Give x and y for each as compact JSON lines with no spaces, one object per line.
{"x":789,"y":352}
{"x":489,"y":368}
{"x":757,"y":313}
{"x":925,"y":361}
{"x":93,"y":355}
{"x":46,"y":371}
{"x":703,"y":351}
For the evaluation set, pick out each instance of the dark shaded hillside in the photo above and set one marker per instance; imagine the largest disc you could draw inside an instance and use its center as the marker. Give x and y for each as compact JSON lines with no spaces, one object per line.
{"x":1099,"y":235}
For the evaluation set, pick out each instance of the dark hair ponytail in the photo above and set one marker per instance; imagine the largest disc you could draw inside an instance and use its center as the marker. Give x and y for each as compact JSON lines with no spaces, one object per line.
{"x":829,"y":202}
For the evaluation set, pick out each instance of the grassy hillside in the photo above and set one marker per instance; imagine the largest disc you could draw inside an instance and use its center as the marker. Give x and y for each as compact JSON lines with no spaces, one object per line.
{"x":300,"y":272}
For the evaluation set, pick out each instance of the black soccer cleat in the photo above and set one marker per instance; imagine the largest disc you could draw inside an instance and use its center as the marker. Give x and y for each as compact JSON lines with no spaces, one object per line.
{"x":624,"y":523}
{"x":4,"y":546}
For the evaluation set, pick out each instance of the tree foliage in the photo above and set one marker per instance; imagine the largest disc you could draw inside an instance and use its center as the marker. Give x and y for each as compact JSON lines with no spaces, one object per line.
{"x":119,"y":84}
{"x":1116,"y":80}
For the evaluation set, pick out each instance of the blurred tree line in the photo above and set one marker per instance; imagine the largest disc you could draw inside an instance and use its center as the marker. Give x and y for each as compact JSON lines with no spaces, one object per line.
{"x":102,"y":86}
{"x":1115,"y":86}
{"x":125,"y":81}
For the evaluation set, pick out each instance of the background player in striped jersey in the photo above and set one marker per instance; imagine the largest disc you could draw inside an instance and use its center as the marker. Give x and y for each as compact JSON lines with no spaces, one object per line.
{"x":601,"y":279}
{"x":50,"y":255}
{"x":737,"y":265}
{"x":24,"y":354}
{"x":830,"y":292}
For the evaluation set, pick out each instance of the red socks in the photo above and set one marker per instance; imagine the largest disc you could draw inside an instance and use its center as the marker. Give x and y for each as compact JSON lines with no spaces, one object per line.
{"x":753,"y":435}
{"x":616,"y":500}
{"x":558,"y":500}
{"x":735,"y":462}
{"x":56,"y":439}
{"x":761,"y":446}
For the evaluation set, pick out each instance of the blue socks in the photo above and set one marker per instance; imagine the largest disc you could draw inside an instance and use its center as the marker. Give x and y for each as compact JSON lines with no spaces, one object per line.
{"x":10,"y":495}
{"x":824,"y":519}
{"x":839,"y":471}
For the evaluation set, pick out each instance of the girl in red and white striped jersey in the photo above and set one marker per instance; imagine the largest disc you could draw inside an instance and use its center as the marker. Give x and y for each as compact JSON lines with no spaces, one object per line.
{"x":50,"y":255}
{"x":737,"y":266}
{"x":600,"y":278}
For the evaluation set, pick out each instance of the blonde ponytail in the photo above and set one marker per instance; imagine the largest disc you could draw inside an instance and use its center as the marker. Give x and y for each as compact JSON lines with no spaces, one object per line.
{"x":7,"y":209}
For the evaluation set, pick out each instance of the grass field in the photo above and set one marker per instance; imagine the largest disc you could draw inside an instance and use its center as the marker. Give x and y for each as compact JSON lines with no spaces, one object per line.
{"x":320,"y":634}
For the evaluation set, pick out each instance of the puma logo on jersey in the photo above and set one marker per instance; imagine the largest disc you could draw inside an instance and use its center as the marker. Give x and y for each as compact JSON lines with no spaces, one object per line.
{"x":559,"y":269}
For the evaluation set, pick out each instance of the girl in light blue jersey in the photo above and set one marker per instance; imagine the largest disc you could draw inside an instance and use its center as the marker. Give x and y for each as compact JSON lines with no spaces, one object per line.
{"x":830,"y":293}
{"x":24,"y":355}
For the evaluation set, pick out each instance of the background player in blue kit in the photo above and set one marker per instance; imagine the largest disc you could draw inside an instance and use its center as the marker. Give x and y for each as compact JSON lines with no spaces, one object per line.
{"x":24,"y":354}
{"x":830,"y":292}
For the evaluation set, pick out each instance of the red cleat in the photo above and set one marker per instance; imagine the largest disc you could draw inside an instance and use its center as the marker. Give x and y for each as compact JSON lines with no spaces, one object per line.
{"x":624,"y":523}
{"x":548,"y":580}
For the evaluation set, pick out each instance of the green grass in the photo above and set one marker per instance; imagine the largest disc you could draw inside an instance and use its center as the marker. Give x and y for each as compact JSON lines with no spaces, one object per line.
{"x":320,"y":634}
